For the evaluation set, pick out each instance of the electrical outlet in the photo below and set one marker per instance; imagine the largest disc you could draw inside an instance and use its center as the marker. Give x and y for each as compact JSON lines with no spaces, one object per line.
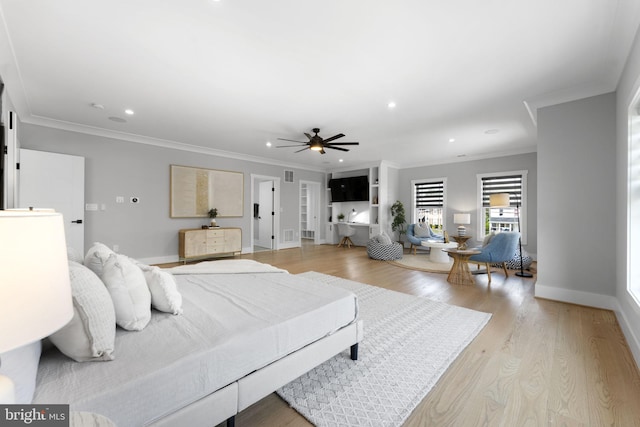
{"x":91,"y":207}
{"x":119,"y":199}
{"x":135,"y":199}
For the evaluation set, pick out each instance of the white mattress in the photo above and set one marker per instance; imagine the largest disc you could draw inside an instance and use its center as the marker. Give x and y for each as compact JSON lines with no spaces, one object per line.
{"x":232,"y":325}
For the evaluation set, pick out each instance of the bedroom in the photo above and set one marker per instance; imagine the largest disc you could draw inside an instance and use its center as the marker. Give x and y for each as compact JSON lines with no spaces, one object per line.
{"x":116,"y":165}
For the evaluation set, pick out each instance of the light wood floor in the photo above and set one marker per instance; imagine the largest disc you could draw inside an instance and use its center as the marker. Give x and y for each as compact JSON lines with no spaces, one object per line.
{"x":537,"y":362}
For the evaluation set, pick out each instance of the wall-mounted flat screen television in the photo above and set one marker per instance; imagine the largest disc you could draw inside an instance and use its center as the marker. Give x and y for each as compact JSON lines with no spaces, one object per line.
{"x":353,"y":189}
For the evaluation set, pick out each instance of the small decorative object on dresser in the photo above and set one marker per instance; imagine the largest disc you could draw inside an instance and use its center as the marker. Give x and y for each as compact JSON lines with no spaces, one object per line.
{"x":213,"y":213}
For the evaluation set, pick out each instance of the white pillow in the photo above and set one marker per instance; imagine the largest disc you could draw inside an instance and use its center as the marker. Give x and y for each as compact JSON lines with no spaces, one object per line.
{"x":90,"y":334}
{"x":96,"y":256}
{"x":129,"y":293}
{"x":383,"y":239}
{"x":74,"y":255}
{"x":164,"y":291}
{"x":421,"y":230}
{"x":21,"y":366}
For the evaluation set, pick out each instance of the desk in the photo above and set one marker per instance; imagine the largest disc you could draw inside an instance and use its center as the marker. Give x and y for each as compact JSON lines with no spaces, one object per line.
{"x":364,"y":231}
{"x":459,"y":273}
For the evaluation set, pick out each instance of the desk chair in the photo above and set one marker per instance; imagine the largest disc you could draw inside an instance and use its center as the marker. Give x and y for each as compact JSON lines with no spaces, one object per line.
{"x":345,"y":231}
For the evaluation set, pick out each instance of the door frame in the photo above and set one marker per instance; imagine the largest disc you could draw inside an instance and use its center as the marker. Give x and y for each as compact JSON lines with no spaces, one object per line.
{"x":276,"y":207}
{"x":316,"y":209}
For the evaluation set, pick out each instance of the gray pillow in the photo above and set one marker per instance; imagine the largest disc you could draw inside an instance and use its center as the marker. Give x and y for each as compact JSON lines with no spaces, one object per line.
{"x":383,"y":239}
{"x":422,"y":230}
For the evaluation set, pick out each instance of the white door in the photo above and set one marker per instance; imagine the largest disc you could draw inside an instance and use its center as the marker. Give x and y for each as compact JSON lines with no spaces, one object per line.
{"x":265,"y":214}
{"x":51,"y":180}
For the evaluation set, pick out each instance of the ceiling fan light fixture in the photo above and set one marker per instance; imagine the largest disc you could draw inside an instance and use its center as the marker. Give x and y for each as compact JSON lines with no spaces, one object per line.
{"x":316,"y":146}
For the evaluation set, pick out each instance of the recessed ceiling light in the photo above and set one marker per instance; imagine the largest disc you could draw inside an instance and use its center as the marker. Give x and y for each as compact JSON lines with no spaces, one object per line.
{"x":98,"y":106}
{"x":268,"y":143}
{"x":129,"y":111}
{"x":117,"y":119}
{"x":341,"y":160}
{"x":462,"y":155}
{"x":452,"y":140}
{"x":491,"y":131}
{"x":391,"y":105}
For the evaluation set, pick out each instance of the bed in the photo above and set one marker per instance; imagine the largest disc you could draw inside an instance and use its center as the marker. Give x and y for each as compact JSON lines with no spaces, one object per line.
{"x":245,"y":330}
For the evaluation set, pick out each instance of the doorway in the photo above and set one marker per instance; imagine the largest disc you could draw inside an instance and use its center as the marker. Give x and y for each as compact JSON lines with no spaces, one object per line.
{"x":309,"y":211}
{"x":52,"y":180}
{"x":265,"y":199}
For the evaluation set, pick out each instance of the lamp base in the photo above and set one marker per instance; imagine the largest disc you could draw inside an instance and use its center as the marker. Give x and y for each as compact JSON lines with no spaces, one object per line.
{"x":523,"y":274}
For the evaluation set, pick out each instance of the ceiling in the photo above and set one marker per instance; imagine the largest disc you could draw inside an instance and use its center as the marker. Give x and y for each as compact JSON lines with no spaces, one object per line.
{"x":227,"y":76}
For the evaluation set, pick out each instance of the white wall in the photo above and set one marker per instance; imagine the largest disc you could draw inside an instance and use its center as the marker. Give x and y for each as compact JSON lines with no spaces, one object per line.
{"x":627,"y":311}
{"x":576,"y":201}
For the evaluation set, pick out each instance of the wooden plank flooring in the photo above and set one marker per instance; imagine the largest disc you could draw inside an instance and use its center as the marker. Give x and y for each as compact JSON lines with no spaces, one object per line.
{"x":537,"y":362}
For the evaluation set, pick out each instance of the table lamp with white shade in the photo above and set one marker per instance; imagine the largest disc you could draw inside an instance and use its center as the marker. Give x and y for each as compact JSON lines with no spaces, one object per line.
{"x":35,"y":293}
{"x":462,"y":219}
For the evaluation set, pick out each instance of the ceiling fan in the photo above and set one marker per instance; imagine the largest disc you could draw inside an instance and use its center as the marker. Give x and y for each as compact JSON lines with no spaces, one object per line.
{"x":317,"y":143}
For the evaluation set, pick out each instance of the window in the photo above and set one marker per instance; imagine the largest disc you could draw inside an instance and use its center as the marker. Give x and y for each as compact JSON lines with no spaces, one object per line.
{"x":502,"y":219}
{"x":429,"y":198}
{"x":633,"y":202}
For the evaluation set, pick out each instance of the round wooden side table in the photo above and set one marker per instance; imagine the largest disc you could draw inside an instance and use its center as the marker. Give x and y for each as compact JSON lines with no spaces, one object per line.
{"x":459,"y":273}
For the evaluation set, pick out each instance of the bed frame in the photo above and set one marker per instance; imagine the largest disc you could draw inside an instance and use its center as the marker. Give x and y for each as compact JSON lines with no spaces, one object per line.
{"x":225,"y":403}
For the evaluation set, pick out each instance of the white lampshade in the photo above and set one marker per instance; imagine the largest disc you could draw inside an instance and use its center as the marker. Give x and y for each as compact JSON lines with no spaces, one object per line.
{"x":35,"y":293}
{"x":462,"y":218}
{"x":499,"y":200}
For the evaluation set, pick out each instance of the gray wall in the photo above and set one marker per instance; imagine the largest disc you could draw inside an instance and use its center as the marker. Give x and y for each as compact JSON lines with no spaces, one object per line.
{"x":462,"y":189}
{"x":119,"y":168}
{"x":576,"y":195}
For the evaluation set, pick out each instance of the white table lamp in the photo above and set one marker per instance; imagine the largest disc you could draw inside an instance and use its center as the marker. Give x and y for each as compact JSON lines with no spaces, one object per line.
{"x":462,"y":219}
{"x":35,"y":293}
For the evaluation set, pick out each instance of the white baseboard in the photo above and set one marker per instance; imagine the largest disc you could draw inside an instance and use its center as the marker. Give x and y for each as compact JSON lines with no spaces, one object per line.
{"x":576,"y":297}
{"x":589,"y":299}
{"x":159,"y":260}
{"x":289,"y":245}
{"x":629,"y":333}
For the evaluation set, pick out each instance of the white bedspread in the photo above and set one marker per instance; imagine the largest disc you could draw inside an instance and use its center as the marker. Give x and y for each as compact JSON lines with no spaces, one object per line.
{"x":232,"y":325}
{"x":225,"y":266}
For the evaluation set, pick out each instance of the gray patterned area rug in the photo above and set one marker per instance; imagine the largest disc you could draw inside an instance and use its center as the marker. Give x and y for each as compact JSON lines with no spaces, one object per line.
{"x":409,"y":342}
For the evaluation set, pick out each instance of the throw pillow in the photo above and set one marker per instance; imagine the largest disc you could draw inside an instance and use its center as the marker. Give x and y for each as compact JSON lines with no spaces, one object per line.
{"x":164,"y":290}
{"x":422,"y":230}
{"x":96,"y":257}
{"x":383,"y":239}
{"x":21,"y":366}
{"x":90,"y":334}
{"x":128,"y":289}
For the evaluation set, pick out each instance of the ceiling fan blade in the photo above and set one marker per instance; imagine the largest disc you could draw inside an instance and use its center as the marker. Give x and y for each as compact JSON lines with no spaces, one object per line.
{"x":301,"y":150}
{"x":344,"y":143}
{"x":292,"y":140}
{"x":334,"y":137}
{"x":335,"y":148}
{"x":322,"y":151}
{"x":288,"y":146}
{"x":308,"y":136}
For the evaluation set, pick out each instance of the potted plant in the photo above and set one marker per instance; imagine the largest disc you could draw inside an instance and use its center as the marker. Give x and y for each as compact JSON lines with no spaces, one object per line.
{"x":397,"y":211}
{"x":213,"y":213}
{"x":340,"y":217}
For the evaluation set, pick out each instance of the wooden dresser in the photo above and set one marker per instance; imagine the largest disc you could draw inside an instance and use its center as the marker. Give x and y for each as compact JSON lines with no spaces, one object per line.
{"x":209,"y":243}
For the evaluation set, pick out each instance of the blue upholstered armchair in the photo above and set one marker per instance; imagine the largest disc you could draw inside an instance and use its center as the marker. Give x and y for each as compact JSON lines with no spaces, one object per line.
{"x":501,"y":248}
{"x":416,"y":241}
